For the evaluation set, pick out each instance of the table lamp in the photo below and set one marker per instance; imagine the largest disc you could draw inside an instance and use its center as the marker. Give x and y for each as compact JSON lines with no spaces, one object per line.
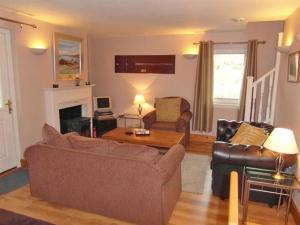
{"x":282,"y":141}
{"x":139,"y":100}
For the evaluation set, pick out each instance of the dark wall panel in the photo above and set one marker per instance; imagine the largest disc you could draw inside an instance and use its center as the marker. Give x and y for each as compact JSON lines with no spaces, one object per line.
{"x":159,"y":64}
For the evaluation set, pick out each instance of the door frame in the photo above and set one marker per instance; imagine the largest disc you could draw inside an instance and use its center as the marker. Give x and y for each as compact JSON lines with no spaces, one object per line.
{"x":11,"y":79}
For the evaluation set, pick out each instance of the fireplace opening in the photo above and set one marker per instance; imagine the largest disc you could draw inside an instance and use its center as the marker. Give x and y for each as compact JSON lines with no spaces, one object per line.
{"x":71,"y":120}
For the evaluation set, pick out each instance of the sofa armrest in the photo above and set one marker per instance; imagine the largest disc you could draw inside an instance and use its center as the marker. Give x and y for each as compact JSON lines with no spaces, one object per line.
{"x":170,"y":161}
{"x":183,"y":120}
{"x":245,"y":155}
{"x":149,"y":119}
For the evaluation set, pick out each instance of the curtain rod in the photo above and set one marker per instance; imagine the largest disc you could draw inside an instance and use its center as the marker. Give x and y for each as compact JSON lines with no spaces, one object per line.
{"x":18,"y":22}
{"x":232,"y":43}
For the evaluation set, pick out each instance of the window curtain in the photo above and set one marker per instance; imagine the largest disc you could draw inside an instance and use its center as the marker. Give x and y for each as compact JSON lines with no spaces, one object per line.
{"x":203,"y":93}
{"x":250,"y":70}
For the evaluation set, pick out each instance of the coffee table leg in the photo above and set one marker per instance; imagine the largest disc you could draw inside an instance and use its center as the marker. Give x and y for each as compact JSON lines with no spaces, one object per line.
{"x":245,"y":201}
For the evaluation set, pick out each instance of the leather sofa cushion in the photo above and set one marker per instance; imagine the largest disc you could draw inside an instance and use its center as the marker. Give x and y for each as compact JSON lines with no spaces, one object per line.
{"x":249,"y":135}
{"x":167,"y":109}
{"x":52,"y":137}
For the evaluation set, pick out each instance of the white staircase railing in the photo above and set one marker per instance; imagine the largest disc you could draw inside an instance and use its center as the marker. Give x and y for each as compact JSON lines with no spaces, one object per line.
{"x":261,"y":94}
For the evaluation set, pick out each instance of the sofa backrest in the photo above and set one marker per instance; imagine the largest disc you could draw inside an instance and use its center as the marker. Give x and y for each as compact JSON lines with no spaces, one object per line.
{"x":226,"y":129}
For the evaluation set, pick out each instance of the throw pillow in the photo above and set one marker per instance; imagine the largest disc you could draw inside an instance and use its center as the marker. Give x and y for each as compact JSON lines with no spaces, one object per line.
{"x":167,"y":109}
{"x":249,"y":135}
{"x":52,"y":137}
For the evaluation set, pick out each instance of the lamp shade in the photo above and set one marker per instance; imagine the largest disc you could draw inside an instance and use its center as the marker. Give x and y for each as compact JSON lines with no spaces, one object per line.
{"x":282,"y":140}
{"x":139,"y":99}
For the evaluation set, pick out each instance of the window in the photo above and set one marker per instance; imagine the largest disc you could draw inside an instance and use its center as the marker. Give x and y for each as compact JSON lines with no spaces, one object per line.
{"x":228,"y":78}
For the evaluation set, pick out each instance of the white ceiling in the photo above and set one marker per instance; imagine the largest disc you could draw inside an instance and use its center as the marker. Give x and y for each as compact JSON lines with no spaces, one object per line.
{"x":153,"y":17}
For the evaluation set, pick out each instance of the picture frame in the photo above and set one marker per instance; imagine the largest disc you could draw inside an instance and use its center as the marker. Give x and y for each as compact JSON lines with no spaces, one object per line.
{"x":294,"y":67}
{"x":68,"y":57}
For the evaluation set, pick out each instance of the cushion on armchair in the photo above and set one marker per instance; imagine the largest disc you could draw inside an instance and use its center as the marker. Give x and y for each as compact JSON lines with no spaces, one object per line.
{"x":249,"y":135}
{"x":167,"y":109}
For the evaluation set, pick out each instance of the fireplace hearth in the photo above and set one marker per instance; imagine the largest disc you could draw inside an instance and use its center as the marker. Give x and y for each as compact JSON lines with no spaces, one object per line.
{"x":71,"y":120}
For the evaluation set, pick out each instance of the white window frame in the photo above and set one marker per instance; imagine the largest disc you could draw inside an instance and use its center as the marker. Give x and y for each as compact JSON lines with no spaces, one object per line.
{"x":228,"y":102}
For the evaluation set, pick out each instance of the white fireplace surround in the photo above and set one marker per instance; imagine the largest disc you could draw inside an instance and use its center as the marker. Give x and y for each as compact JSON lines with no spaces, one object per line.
{"x":64,"y":97}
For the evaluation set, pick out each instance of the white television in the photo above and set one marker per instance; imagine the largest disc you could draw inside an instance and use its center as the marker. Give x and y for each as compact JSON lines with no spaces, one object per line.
{"x":102,"y":103}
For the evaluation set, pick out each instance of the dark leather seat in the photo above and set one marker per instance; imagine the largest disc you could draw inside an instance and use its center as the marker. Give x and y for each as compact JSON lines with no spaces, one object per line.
{"x":227,"y":157}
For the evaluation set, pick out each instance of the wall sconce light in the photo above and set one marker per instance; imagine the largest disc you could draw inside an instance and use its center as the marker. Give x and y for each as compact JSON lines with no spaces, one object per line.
{"x":37,"y":46}
{"x":284,"y":49}
{"x":38,"y":51}
{"x":190,"y":56}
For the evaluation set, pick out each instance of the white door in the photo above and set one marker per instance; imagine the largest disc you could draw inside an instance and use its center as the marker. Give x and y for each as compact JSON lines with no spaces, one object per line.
{"x":8,"y":136}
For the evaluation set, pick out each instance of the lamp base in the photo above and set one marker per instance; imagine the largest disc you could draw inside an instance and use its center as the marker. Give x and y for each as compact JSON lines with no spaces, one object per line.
{"x":140,"y":109}
{"x":278,"y":176}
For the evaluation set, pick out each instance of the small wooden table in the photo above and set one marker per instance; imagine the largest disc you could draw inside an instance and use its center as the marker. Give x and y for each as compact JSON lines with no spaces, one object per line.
{"x":157,"y":138}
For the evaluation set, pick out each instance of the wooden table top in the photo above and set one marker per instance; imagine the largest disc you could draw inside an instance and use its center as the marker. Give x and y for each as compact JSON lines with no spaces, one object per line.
{"x":157,"y":138}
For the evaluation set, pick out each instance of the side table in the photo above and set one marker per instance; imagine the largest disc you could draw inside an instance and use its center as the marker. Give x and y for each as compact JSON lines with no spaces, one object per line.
{"x":104,"y":125}
{"x":261,"y":180}
{"x":126,"y":117}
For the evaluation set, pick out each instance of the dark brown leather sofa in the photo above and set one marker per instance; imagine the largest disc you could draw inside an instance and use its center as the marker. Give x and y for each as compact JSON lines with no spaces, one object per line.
{"x":227,"y":157}
{"x":181,"y":125}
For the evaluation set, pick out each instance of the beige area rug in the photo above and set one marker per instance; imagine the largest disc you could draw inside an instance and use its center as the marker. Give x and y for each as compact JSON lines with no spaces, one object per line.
{"x":194,"y":169}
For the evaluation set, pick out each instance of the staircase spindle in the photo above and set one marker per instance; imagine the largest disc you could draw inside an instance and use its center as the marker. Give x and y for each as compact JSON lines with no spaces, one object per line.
{"x":261,"y":98}
{"x":271,"y":82}
{"x":253,"y":103}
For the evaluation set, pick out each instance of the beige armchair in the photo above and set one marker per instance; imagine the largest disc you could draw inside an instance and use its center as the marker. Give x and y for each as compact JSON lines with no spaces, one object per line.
{"x":182,"y":124}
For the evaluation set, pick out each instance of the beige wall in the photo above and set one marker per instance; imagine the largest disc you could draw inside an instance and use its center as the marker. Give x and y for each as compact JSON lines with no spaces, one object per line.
{"x":288,"y":107}
{"x":33,"y":73}
{"x":123,"y":87}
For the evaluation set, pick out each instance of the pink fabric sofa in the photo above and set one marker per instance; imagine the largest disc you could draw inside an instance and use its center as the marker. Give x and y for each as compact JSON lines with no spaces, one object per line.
{"x":129,"y":182}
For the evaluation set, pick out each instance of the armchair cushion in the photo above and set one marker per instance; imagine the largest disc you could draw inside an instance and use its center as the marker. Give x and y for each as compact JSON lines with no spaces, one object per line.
{"x":249,"y":135}
{"x":167,"y":109}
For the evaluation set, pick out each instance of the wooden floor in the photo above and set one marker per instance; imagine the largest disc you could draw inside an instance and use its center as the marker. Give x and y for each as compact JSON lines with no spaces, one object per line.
{"x":191,"y":209}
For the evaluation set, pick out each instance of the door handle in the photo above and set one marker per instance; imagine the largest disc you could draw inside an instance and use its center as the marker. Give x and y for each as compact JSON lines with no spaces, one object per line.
{"x":9,"y":104}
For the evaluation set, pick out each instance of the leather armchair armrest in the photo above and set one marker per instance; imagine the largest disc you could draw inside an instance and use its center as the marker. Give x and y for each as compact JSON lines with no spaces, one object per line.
{"x":183,"y":120}
{"x":149,"y":119}
{"x":244,"y":155}
{"x":247,"y":155}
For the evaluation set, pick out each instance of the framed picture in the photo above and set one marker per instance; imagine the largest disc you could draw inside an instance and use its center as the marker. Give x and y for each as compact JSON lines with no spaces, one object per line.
{"x":68,"y":54}
{"x":293,"y":73}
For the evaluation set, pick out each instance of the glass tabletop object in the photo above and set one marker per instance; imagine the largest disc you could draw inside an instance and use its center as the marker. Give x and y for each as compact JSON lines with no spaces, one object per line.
{"x":265,"y":176}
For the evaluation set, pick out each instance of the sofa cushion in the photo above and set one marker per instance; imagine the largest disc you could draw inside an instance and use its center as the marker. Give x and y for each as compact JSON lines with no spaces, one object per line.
{"x":79,"y":142}
{"x":113,"y":148}
{"x":164,"y":126}
{"x":249,"y":135}
{"x":167,"y":109}
{"x":141,"y":152}
{"x":52,"y":137}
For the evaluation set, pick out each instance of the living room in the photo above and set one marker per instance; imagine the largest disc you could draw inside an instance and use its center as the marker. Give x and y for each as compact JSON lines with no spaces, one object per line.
{"x":103,"y":38}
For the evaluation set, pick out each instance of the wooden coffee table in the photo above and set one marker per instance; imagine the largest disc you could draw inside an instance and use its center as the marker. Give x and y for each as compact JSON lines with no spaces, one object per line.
{"x":157,"y":138}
